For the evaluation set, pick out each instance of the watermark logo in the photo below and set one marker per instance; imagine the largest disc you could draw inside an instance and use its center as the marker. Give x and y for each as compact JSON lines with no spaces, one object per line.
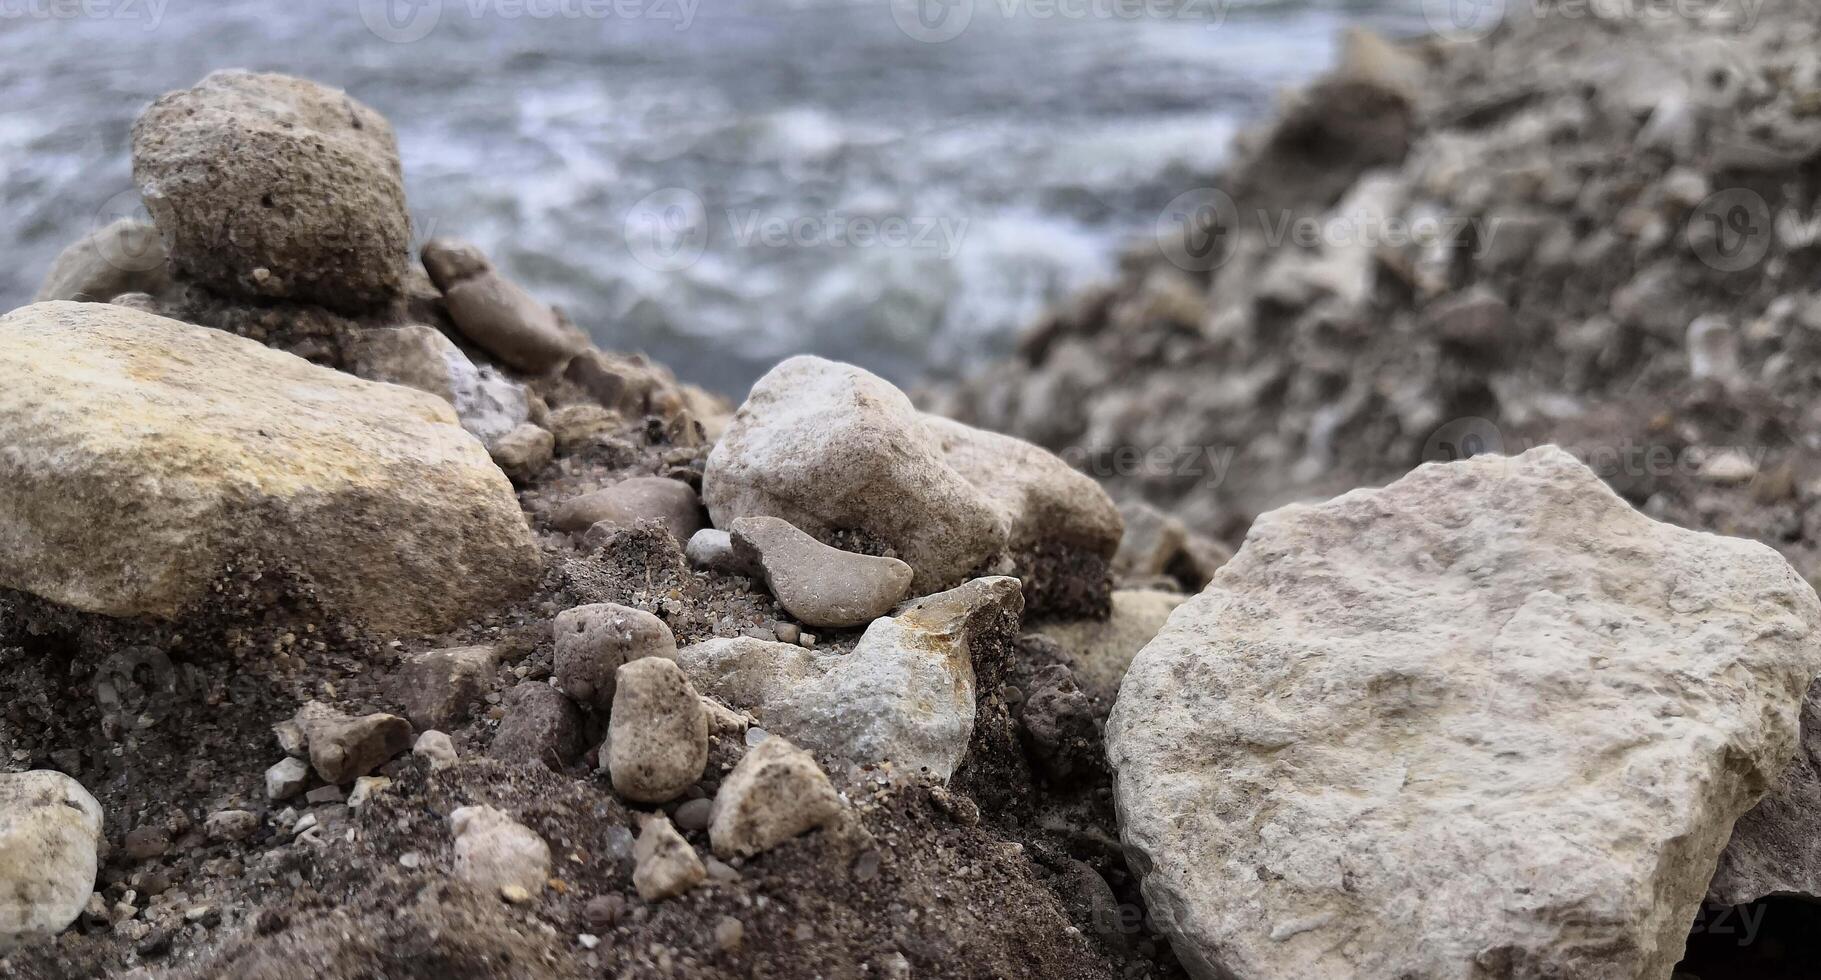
{"x":405,"y":21}
{"x":670,"y":229}
{"x":936,"y":21}
{"x":1463,"y":438}
{"x":126,"y":252}
{"x":401,"y":21}
{"x":1463,"y":20}
{"x":1731,"y":230}
{"x":667,"y":230}
{"x":932,"y":21}
{"x":149,"y":13}
{"x":1195,"y":230}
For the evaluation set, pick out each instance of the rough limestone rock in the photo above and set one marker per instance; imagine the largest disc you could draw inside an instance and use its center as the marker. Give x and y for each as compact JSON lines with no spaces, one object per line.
{"x":1486,"y":721}
{"x":436,"y":686}
{"x":1776,"y":847}
{"x":830,"y":447}
{"x":342,"y":748}
{"x":489,"y":404}
{"x":712,"y":550}
{"x":819,"y":585}
{"x":523,"y":452}
{"x":1100,"y":650}
{"x":905,"y":694}
{"x":592,"y":642}
{"x":50,"y":835}
{"x":540,"y":726}
{"x":124,"y":257}
{"x":141,"y":455}
{"x":1063,"y":529}
{"x":494,"y":852}
{"x":665,"y":865}
{"x":775,"y":793}
{"x":272,"y":186}
{"x":657,"y":735}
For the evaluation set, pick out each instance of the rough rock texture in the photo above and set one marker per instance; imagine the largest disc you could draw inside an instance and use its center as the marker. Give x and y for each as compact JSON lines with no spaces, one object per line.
{"x":489,"y":404}
{"x":819,"y":585}
{"x":626,"y":503}
{"x":1100,"y":649}
{"x":1776,"y":847}
{"x":124,"y":257}
{"x":657,"y":735}
{"x":497,"y":314}
{"x":829,"y":447}
{"x":540,"y":725}
{"x":1063,"y":529}
{"x":666,"y":865}
{"x":833,"y":449}
{"x":521,"y":453}
{"x":341,"y":748}
{"x":775,"y":793}
{"x":50,"y":832}
{"x":143,"y":455}
{"x":494,"y":852}
{"x":437,"y":685}
{"x":1488,"y":720}
{"x":273,"y":186}
{"x":592,"y":642}
{"x":905,"y":694}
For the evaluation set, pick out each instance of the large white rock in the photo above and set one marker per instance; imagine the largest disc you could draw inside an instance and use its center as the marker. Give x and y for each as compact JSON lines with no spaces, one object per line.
{"x":50,"y":835}
{"x":140,"y":455}
{"x":1488,"y":721}
{"x":830,"y":447}
{"x":904,"y":695}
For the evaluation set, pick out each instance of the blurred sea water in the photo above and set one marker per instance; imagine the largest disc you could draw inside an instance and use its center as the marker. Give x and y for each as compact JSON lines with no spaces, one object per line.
{"x":719,"y":183}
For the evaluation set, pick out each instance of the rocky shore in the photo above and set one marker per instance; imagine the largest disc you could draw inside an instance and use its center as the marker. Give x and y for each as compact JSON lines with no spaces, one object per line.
{"x":359,"y":617}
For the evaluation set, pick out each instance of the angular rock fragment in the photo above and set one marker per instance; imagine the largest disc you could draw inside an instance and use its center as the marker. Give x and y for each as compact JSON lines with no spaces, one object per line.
{"x":657,"y":741}
{"x":905,"y":694}
{"x":50,"y":836}
{"x":666,"y":865}
{"x":592,"y":642}
{"x":819,"y":585}
{"x":341,"y":748}
{"x":1486,"y":720}
{"x":143,"y":455}
{"x":775,"y":793}
{"x":272,"y":186}
{"x":540,"y":725}
{"x":495,"y":853}
{"x":287,"y":779}
{"x":437,"y":685}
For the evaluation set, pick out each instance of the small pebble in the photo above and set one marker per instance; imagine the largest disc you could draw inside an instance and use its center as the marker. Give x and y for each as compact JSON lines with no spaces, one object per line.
{"x":755,"y":735}
{"x":729,"y":933}
{"x":693,"y":815}
{"x":604,"y":910}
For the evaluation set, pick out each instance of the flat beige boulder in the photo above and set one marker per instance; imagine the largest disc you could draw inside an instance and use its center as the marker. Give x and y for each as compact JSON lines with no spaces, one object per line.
{"x":1488,"y":721}
{"x":139,"y":456}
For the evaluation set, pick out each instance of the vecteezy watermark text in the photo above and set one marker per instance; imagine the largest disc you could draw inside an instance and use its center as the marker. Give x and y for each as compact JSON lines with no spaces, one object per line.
{"x":669,"y":229}
{"x":405,"y":21}
{"x":147,"y":12}
{"x":1199,"y":229}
